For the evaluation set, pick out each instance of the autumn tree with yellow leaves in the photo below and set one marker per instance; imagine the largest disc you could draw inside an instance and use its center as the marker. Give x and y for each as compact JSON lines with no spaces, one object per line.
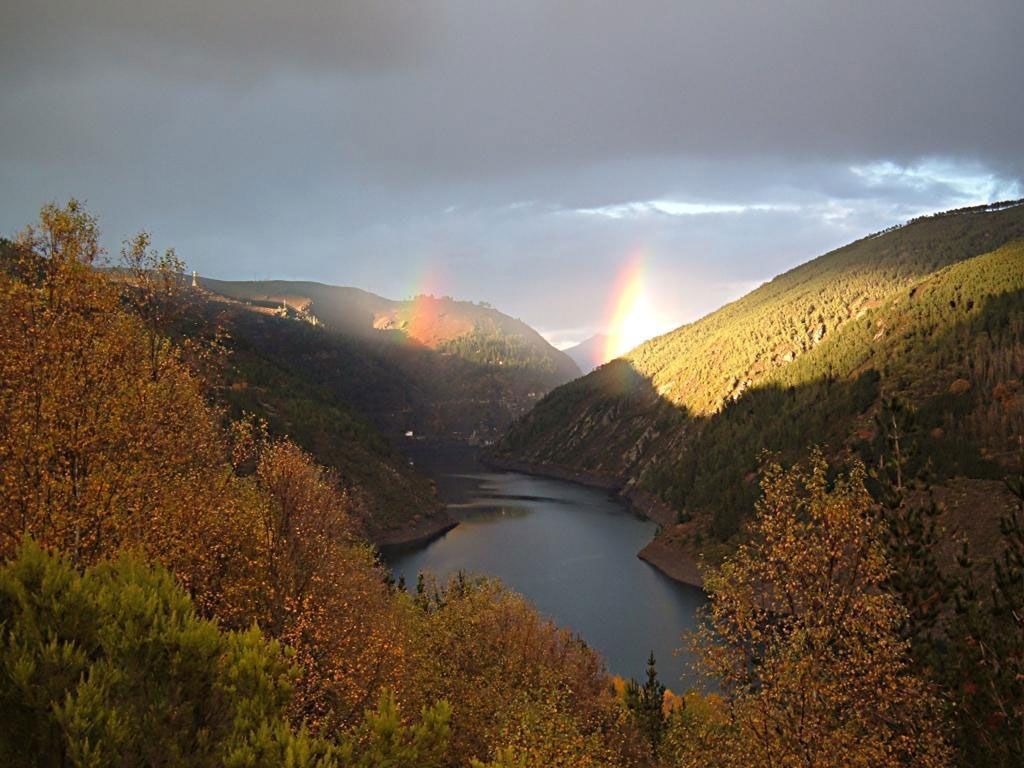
{"x":321,"y":591}
{"x":804,"y":641}
{"x":523,"y":691}
{"x":109,"y":443}
{"x":106,"y":441}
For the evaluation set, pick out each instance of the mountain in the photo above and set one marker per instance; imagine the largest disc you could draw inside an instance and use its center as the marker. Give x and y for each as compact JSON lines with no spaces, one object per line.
{"x":476,"y":332}
{"x":438,"y":367}
{"x":931,"y":312}
{"x":348,"y":375}
{"x":589,"y":353}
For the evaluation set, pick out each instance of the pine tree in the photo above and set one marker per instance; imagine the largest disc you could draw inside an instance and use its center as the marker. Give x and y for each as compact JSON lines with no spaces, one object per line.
{"x":652,"y":698}
{"x":384,"y":741}
{"x":987,"y":644}
{"x":909,"y":529}
{"x":646,"y":703}
{"x":114,"y":667}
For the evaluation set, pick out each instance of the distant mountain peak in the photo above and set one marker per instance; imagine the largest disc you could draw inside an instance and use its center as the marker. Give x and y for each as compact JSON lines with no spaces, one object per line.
{"x":590,"y":353}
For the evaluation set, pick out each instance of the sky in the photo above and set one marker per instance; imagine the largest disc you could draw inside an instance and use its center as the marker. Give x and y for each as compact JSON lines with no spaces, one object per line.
{"x":527,"y":154}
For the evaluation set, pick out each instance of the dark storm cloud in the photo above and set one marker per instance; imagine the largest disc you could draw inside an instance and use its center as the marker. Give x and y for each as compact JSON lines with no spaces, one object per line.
{"x":236,"y":41}
{"x":359,"y":141}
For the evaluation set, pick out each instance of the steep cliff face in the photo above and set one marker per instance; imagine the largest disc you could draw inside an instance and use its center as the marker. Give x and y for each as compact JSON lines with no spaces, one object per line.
{"x":931,"y":312}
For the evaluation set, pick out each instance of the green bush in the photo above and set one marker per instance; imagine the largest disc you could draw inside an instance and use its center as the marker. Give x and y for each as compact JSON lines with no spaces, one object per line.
{"x":113,"y":667}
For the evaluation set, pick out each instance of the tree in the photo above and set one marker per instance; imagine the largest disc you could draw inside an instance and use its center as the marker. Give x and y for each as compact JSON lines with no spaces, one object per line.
{"x":695,"y":731}
{"x":384,"y":741}
{"x":647,"y":704}
{"x":113,"y":666}
{"x":987,"y":646}
{"x":316,"y":585}
{"x":96,"y":452}
{"x":908,"y":516}
{"x":521,"y":689}
{"x":804,"y":641}
{"x":156,"y":285}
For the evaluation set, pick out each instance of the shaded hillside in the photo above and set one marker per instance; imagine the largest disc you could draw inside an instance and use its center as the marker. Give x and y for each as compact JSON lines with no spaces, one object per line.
{"x":347,"y":374}
{"x":931,"y":312}
{"x":475,"y":332}
{"x":590,"y":353}
{"x":469,"y":387}
{"x":393,"y":500}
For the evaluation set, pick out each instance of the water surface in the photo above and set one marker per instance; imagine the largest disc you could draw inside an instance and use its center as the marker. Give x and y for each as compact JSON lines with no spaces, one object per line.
{"x":572,"y":551}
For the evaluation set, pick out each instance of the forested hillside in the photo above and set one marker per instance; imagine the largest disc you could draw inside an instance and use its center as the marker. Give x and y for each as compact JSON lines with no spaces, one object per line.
{"x":346,"y":374}
{"x":432,"y":365}
{"x":931,"y":313}
{"x":393,"y":501}
{"x":388,"y":499}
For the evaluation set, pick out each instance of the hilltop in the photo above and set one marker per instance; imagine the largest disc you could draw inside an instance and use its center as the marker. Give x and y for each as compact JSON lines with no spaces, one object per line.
{"x":475,"y":332}
{"x":931,"y":312}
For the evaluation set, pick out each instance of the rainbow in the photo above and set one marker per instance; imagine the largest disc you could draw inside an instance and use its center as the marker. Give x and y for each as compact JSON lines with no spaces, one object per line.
{"x":420,"y":312}
{"x":632,"y":318}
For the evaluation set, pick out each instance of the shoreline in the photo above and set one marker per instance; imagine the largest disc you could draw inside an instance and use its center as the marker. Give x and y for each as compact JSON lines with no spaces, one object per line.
{"x":672,"y":563}
{"x":417,"y":535}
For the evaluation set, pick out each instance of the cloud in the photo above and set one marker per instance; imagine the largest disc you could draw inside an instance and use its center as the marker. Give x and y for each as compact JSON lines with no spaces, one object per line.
{"x":231,"y":41}
{"x":676,"y":208}
{"x":523,"y":149}
{"x":462,"y":89}
{"x":969,"y":185}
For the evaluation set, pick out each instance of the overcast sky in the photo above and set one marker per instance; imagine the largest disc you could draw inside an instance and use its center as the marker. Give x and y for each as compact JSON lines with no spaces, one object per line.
{"x":518,"y":152}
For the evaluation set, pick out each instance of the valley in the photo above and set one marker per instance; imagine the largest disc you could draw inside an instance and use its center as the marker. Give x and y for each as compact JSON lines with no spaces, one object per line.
{"x":401,"y":494}
{"x":929,"y":314}
{"x":449,"y":384}
{"x":569,"y":549}
{"x":675,"y":427}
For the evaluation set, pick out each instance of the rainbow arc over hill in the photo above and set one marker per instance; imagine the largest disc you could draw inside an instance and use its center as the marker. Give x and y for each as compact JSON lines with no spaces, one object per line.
{"x":632,"y":316}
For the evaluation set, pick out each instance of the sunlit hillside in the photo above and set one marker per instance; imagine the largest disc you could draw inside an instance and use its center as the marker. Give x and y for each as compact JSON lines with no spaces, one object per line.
{"x":930,"y":312}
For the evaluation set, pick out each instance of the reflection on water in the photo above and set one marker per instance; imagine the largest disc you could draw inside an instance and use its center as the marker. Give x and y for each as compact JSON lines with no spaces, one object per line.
{"x":572,"y":551}
{"x":478,"y":512}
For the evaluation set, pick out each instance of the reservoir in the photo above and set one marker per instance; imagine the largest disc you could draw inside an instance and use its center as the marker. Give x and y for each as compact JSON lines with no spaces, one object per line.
{"x":571,"y":551}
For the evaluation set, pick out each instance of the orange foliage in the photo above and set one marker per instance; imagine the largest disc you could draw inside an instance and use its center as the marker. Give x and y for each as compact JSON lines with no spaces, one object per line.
{"x":107,"y":443}
{"x":805,"y":642}
{"x":104,"y":443}
{"x":515,"y":680}
{"x":320,"y":588}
